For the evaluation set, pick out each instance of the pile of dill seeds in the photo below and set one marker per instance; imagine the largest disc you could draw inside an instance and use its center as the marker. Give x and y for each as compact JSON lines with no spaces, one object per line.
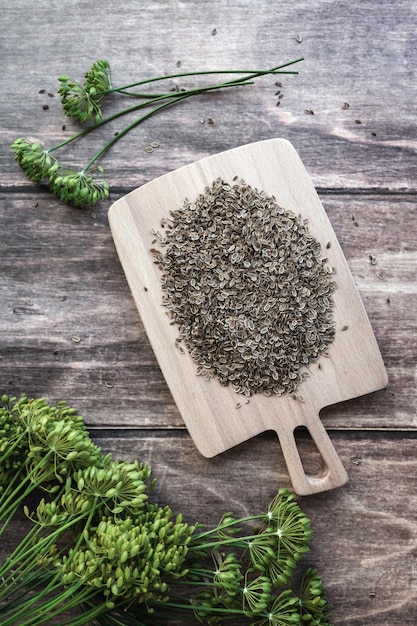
{"x":245,"y":282}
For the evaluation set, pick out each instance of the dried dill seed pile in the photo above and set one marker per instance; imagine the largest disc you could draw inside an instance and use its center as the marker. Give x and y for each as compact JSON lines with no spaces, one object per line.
{"x":245,"y":283}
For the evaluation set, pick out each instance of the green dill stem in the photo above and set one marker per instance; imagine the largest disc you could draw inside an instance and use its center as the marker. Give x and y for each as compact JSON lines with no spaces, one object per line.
{"x":173,"y":95}
{"x":254,"y":73}
{"x":220,"y":527}
{"x":240,"y":542}
{"x":55,"y":582}
{"x":8,"y":519}
{"x":136,"y":107}
{"x":192,"y":607}
{"x":128,"y":129}
{"x":16,"y":496}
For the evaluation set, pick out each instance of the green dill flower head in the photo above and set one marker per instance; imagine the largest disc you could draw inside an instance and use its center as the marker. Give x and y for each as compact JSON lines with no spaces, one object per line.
{"x":77,"y":188}
{"x":98,"y":78}
{"x":128,"y":559}
{"x":256,"y":595}
{"x":120,"y":485}
{"x":313,"y":604}
{"x":84,"y":101}
{"x":14,"y":440}
{"x":58,"y":442}
{"x":35,"y":161}
{"x":282,"y":612}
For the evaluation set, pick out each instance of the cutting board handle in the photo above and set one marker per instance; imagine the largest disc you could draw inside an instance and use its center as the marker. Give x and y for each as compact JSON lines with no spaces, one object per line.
{"x":334,"y":473}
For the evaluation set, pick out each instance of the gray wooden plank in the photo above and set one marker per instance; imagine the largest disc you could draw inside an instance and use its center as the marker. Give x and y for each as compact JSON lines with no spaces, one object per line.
{"x":362,"y":54}
{"x":61,"y":279}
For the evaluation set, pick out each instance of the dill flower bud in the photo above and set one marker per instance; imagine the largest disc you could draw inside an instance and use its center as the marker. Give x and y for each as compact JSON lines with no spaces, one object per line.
{"x":32,"y":157}
{"x":257,"y":595}
{"x":314,"y":607}
{"x":77,"y":188}
{"x":82,"y":102}
{"x":282,"y":612}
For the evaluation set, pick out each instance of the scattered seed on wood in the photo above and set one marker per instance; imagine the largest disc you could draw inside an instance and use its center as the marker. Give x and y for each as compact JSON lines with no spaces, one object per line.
{"x":210,"y":120}
{"x":345,"y":105}
{"x":328,"y":244}
{"x":373,"y":134}
{"x":29,"y":302}
{"x":344,"y":328}
{"x":372,"y":259}
{"x":309,"y":111}
{"x":108,"y":384}
{"x":178,"y":63}
{"x":93,"y":216}
{"x":36,"y":204}
{"x":154,"y":144}
{"x":51,"y":95}
{"x":358,"y":122}
{"x":278,"y":103}
{"x":356,"y":460}
{"x":214,"y":31}
{"x":76,"y":339}
{"x":228,"y":257}
{"x":298,"y":39}
{"x":278,"y":83}
{"x":388,"y":300}
{"x":202,"y":120}
{"x":45,"y":107}
{"x":148,"y":149}
{"x":63,"y":127}
{"x":41,"y":90}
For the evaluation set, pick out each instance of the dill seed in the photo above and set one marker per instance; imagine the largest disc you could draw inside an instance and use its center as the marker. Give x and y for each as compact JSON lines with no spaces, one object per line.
{"x":243,"y":280}
{"x":154,"y":144}
{"x":149,"y":149}
{"x":76,"y":339}
{"x":210,"y":120}
{"x":108,"y":384}
{"x":345,"y":327}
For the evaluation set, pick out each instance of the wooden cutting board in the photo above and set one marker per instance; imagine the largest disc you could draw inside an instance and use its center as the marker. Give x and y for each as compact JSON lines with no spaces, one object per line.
{"x":210,"y":411}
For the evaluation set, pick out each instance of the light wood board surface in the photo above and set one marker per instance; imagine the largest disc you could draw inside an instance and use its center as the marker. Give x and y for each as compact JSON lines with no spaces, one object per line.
{"x":354,"y":366}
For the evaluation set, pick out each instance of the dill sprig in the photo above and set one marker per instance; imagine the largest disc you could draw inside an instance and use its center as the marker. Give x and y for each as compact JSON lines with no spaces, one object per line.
{"x":84,"y":102}
{"x":97,"y":546}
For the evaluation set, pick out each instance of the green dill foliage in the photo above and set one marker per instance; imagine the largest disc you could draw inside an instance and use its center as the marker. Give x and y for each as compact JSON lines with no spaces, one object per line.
{"x":84,"y":103}
{"x":99,"y":549}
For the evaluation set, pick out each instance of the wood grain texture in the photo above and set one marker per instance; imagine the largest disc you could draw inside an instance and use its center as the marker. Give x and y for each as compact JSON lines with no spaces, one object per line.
{"x":43,"y":309}
{"x":60,"y":276}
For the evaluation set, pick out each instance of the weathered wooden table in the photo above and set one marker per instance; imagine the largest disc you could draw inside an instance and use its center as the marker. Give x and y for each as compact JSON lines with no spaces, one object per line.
{"x":351,"y":115}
